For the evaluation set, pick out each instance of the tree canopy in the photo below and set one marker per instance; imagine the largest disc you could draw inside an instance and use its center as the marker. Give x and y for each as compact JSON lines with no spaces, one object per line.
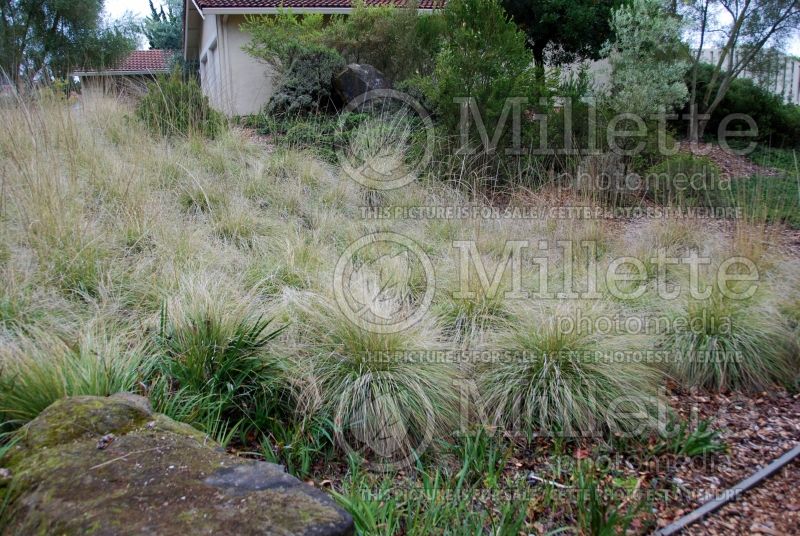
{"x":163,"y":28}
{"x":42,"y":39}
{"x":563,"y":30}
{"x":742,"y":33}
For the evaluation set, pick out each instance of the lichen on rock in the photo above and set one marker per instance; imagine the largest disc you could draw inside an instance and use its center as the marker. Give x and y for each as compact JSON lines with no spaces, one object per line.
{"x":157,"y":476}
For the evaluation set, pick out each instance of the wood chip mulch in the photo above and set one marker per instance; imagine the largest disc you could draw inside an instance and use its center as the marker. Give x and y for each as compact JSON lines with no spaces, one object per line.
{"x":757,"y":430}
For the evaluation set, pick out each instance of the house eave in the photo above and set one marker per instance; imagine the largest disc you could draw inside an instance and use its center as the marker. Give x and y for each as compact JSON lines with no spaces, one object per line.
{"x":278,"y":10}
{"x":148,"y":72}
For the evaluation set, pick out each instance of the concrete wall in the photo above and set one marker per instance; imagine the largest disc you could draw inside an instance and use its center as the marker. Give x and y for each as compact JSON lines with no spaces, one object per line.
{"x":235,"y":82}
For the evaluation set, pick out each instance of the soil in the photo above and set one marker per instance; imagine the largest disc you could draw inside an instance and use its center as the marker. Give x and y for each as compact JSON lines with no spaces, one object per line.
{"x":733,"y":166}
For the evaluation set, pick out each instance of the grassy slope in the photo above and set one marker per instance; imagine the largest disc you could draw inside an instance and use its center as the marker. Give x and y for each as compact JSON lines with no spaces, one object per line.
{"x":108,"y":233}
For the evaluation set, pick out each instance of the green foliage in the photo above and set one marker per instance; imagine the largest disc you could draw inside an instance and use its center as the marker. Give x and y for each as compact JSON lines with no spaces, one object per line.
{"x":306,"y":86}
{"x":174,"y":106}
{"x":731,"y":344}
{"x":600,"y":509}
{"x":684,"y":180}
{"x":645,"y":55}
{"x":39,"y":368}
{"x":769,"y":199}
{"x":395,"y":40}
{"x":682,"y":441}
{"x":555,"y":381}
{"x":319,"y":133}
{"x":370,"y":383}
{"x":778,"y":123}
{"x":217,"y":361}
{"x":282,"y":38}
{"x":41,"y":39}
{"x":431,"y":503}
{"x":568,"y":30}
{"x":483,"y":459}
{"x":292,"y":45}
{"x":483,"y":57}
{"x":299,"y":445}
{"x":164,"y":29}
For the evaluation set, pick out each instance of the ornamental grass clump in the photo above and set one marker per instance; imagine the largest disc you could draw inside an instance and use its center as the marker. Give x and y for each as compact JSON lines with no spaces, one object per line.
{"x":724,"y":343}
{"x":174,"y":106}
{"x":557,"y":376}
{"x":389,"y":391}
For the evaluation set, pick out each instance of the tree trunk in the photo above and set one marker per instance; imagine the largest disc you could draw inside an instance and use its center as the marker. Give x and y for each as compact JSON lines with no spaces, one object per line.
{"x":538,"y":60}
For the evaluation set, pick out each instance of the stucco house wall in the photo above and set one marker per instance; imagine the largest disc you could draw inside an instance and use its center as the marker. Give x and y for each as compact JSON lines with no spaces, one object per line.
{"x":235,"y":82}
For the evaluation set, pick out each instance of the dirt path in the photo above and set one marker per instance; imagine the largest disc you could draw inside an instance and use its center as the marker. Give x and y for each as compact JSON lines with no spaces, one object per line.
{"x":732,"y":165}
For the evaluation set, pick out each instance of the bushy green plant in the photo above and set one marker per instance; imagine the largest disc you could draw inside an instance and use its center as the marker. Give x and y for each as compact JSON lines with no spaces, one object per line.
{"x":39,"y":368}
{"x":380,"y":389}
{"x":175,"y":105}
{"x":550,"y":378}
{"x":778,"y":122}
{"x":306,"y":86}
{"x":687,"y":181}
{"x":483,"y":57}
{"x":730,"y":344}
{"x":395,"y":40}
{"x":292,"y":45}
{"x":319,"y":132}
{"x":282,"y":38}
{"x":214,"y":356}
{"x":648,"y":59}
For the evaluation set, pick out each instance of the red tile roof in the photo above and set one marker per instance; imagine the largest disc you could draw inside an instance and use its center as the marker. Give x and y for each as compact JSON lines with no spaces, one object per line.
{"x":305,"y":4}
{"x":140,"y":61}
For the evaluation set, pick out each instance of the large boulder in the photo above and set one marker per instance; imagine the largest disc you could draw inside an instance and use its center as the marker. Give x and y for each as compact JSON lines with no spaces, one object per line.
{"x":92,"y":465}
{"x":357,"y":79}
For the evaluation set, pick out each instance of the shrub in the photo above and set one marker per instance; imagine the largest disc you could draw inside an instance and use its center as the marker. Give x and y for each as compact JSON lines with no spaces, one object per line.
{"x":483,"y":57}
{"x":553,"y":379}
{"x":292,"y":44}
{"x":306,"y":85}
{"x":396,"y":41}
{"x":648,"y":59}
{"x":282,"y":38}
{"x":319,"y":133}
{"x":176,"y":106}
{"x":687,"y":181}
{"x":778,"y":122}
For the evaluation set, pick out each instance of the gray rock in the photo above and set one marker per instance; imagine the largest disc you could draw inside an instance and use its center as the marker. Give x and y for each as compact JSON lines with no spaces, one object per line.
{"x":156,"y":477}
{"x":356,"y":80}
